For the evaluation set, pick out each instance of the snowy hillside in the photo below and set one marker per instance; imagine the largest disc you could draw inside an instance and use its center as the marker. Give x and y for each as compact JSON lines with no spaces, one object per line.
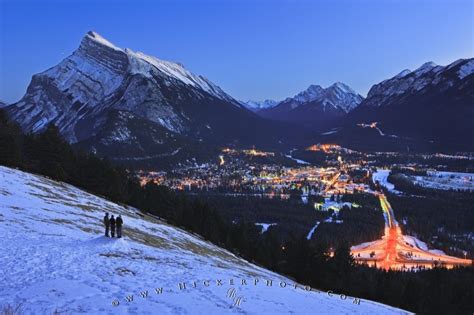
{"x":56,"y":259}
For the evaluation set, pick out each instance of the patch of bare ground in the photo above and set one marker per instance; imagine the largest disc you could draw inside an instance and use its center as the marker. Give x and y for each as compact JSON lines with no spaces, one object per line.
{"x":147,"y":239}
{"x":122,"y":271}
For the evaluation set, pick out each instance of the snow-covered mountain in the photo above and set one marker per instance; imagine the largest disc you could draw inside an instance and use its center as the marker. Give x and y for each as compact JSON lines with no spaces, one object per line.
{"x":256,"y":106}
{"x":429,"y":75}
{"x":316,"y":106}
{"x":432,"y":105}
{"x":341,"y":96}
{"x":58,"y":261}
{"x":337,"y":96}
{"x":2,"y":104}
{"x":98,"y":77}
{"x":82,"y":94}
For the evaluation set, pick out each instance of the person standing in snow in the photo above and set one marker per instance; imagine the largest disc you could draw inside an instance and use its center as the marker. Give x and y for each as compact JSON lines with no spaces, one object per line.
{"x":112,"y":226}
{"x":106,"y":224}
{"x":119,"y":223}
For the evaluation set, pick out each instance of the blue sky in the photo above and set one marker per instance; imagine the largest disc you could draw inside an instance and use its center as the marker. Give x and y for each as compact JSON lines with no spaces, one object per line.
{"x":252,"y":49}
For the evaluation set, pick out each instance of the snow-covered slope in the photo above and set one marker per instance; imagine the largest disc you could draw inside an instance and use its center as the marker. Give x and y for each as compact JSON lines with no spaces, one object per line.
{"x":428,"y":75}
{"x":337,"y":96}
{"x":54,"y":258}
{"x":424,"y":105}
{"x":312,"y":93}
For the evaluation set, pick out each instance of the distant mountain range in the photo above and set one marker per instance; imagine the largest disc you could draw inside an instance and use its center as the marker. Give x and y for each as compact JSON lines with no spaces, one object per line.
{"x":137,"y":108}
{"x":257,"y":106}
{"x":432,"y":104}
{"x":315,"y":107}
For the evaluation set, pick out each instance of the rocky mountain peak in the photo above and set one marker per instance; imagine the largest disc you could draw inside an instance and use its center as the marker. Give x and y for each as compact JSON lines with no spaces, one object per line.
{"x":308,"y":95}
{"x":99,"y":50}
{"x":403,"y":73}
{"x":342,"y":87}
{"x":259,"y":105}
{"x":316,"y":106}
{"x":98,"y":77}
{"x":93,"y":36}
{"x":428,"y":74}
{"x":427,"y":65}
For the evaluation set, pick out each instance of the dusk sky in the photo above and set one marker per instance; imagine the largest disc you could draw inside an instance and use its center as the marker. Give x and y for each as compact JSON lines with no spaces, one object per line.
{"x":252,"y":49}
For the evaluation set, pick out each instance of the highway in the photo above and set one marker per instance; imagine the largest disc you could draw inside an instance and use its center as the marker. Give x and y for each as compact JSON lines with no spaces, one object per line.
{"x":400,"y":252}
{"x":332,"y":182}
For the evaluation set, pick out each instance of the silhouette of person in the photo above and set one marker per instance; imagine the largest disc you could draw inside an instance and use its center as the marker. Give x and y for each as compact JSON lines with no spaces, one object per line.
{"x":106,"y":224}
{"x":112,"y":226}
{"x":119,"y":223}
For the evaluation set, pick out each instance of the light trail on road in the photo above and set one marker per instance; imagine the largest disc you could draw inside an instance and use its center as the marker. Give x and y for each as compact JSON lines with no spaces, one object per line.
{"x":394,"y":252}
{"x":332,"y":182}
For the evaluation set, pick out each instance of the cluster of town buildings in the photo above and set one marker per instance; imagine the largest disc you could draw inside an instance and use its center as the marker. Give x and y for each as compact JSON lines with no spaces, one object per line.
{"x":241,"y":172}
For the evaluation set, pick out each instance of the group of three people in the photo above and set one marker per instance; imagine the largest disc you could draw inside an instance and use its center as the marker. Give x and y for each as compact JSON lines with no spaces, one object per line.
{"x":113,"y":224}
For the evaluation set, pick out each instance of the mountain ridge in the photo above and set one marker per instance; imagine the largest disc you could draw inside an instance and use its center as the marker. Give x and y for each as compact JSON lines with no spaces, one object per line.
{"x":256,"y":106}
{"x":79,"y":94}
{"x":315,"y":107}
{"x":431,"y":107}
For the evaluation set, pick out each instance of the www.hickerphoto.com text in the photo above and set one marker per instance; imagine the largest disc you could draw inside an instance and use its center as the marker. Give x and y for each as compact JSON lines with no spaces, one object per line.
{"x":237,"y":300}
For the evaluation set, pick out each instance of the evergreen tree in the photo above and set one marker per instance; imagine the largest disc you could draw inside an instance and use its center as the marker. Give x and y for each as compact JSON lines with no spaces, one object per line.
{"x":10,"y":145}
